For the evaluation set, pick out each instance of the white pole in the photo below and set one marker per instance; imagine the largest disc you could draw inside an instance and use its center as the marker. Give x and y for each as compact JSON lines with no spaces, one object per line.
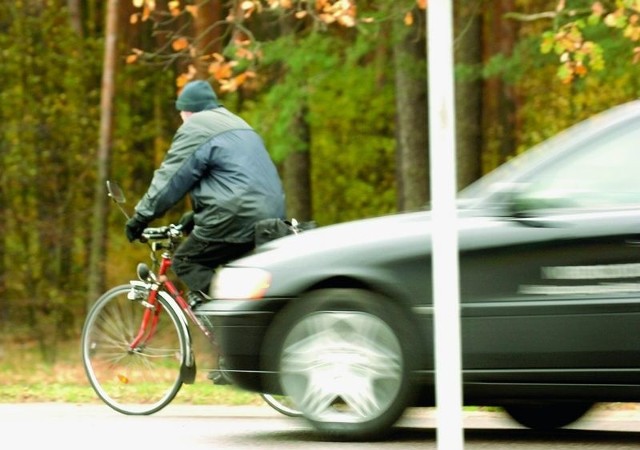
{"x":445,"y":272}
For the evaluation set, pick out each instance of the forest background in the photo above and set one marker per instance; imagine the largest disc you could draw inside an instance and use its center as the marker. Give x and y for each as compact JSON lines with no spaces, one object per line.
{"x":337,"y":89}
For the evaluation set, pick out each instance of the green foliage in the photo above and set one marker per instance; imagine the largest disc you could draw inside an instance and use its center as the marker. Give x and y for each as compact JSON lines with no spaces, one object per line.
{"x":350,"y":110}
{"x":48,"y":106}
{"x":534,"y":80}
{"x":565,"y":105}
{"x":353,"y":160}
{"x":298,"y":65}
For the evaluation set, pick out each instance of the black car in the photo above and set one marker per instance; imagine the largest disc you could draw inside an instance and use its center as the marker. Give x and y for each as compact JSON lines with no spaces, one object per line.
{"x":340,"y":318}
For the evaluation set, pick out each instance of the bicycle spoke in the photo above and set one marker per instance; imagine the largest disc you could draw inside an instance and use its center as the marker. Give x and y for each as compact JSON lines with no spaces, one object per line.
{"x":133,"y":381}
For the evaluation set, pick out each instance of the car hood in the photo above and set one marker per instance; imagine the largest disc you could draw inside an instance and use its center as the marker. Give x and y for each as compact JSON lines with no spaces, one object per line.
{"x":344,"y":236}
{"x":408,"y":232}
{"x":402,"y":234}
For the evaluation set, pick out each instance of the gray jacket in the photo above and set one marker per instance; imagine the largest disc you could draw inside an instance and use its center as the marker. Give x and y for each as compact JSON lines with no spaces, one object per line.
{"x":222,"y":162}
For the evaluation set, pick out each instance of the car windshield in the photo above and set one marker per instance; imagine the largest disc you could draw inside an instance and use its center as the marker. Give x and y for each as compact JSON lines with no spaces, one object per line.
{"x":590,"y":164}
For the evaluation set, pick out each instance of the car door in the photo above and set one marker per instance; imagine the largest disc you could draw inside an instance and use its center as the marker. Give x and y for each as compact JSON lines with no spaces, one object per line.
{"x":550,"y":291}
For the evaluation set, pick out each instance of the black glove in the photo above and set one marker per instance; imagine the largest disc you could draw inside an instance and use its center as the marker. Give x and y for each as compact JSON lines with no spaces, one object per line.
{"x":187,"y":222}
{"x":134,"y":227}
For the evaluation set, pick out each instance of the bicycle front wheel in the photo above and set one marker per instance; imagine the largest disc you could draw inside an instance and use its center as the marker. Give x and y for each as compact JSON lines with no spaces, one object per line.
{"x":282,"y":404}
{"x":140,"y":380}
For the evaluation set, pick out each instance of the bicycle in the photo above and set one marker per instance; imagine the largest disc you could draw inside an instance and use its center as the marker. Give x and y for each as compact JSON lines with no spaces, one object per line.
{"x":136,"y":342}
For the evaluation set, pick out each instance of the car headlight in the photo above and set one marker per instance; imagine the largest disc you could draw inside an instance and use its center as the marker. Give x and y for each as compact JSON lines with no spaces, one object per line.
{"x":240,"y":283}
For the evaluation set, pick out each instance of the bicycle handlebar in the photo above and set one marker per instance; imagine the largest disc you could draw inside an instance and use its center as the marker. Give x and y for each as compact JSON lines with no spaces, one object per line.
{"x":159,"y":233}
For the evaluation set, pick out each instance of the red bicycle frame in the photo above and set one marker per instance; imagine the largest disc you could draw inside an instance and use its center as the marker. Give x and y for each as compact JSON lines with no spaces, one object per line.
{"x":151,"y":315}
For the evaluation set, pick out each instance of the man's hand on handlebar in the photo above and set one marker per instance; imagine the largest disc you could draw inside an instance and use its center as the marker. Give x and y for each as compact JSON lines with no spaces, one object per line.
{"x":134,"y":227}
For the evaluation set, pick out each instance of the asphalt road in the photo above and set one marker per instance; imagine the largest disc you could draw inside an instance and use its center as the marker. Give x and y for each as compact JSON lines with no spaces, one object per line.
{"x":90,"y":427}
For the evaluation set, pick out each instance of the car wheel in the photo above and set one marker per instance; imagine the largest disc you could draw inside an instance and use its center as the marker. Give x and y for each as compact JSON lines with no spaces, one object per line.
{"x":547,"y":416}
{"x":345,"y":358}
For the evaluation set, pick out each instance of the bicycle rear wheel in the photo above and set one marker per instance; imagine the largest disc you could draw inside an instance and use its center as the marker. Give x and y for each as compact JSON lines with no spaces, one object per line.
{"x":137,"y":381}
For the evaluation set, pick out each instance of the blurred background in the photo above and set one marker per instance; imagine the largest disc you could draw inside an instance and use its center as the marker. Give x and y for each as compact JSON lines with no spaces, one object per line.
{"x":336,"y":88}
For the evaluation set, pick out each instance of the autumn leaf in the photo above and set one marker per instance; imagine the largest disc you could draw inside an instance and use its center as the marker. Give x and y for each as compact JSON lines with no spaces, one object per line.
{"x":184,"y":78}
{"x":228,"y":86}
{"x":241,"y":78}
{"x":133,"y":19}
{"x":192,"y":9}
{"x":232,"y":84}
{"x":220,"y":71}
{"x":245,"y":53}
{"x":422,"y":4}
{"x":249,"y":7}
{"x":133,"y":57}
{"x":174,"y":8}
{"x":322,"y":5}
{"x":181,"y":81}
{"x":327,"y":18}
{"x":180,"y":44}
{"x":408,"y":19}
{"x":347,"y":21}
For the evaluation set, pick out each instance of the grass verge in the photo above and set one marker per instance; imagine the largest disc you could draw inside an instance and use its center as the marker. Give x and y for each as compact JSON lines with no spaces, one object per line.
{"x":25,"y":377}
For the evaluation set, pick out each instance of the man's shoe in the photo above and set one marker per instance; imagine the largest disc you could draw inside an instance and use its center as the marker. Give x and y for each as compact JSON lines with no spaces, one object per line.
{"x":218,"y":377}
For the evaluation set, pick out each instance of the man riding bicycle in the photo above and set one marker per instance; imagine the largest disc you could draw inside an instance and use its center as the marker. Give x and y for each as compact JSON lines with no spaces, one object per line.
{"x":222,"y":162}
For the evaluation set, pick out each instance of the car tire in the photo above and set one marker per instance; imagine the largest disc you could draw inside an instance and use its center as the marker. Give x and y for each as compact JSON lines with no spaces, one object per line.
{"x":547,"y":416}
{"x":345,"y":357}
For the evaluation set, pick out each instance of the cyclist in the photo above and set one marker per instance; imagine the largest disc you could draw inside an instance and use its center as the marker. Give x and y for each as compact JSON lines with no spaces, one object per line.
{"x":222,"y":163}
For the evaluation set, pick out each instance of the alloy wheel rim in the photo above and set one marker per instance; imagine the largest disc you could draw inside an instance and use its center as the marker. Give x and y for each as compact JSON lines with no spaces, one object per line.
{"x":342,"y":366}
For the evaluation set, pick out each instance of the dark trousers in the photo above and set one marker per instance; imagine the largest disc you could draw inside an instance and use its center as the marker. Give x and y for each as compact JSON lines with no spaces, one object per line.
{"x":195,"y":260}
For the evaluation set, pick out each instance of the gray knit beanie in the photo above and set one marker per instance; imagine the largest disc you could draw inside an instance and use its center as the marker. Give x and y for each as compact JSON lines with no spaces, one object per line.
{"x":197,"y":96}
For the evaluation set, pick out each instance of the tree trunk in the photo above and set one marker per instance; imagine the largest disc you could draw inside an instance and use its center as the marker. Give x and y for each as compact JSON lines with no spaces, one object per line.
{"x":468,"y":52}
{"x":75,"y":16}
{"x":409,"y":59}
{"x":498,"y":97}
{"x":297,"y":164}
{"x":297,"y":169}
{"x":98,"y":237}
{"x":208,"y":32}
{"x":4,"y":210}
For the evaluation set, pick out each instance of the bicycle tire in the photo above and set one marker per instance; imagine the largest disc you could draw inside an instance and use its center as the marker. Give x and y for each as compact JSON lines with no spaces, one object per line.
{"x":281,"y":404}
{"x":134,"y":382}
